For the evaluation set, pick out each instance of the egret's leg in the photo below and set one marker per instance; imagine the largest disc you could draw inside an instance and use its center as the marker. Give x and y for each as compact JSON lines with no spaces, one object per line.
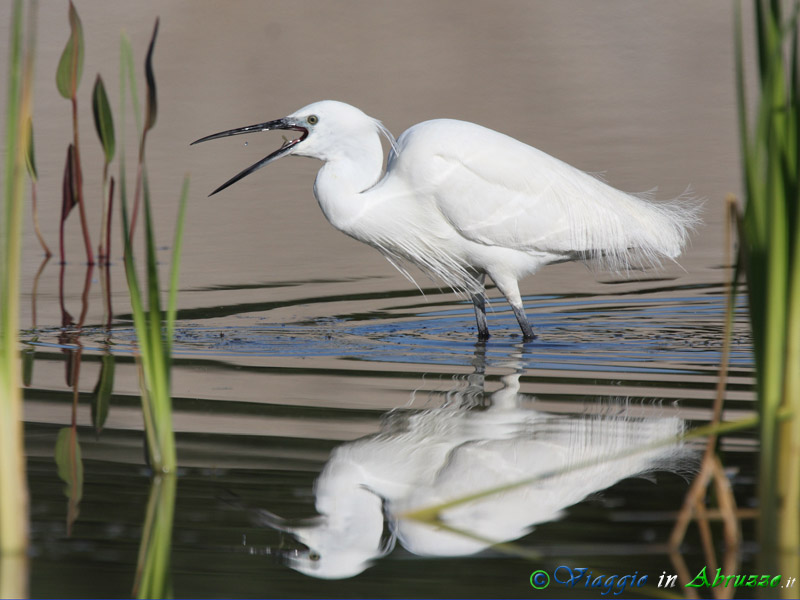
{"x":479,"y":303}
{"x":508,"y":286}
{"x":524,"y":325}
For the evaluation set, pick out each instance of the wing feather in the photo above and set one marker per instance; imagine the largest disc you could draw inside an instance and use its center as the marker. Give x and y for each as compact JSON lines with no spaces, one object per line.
{"x":498,"y":191}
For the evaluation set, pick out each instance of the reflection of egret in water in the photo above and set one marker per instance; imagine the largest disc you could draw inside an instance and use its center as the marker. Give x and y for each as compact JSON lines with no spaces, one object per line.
{"x":423,"y":459}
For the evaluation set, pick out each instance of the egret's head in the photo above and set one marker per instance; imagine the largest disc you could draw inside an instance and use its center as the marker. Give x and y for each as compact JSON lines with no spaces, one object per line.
{"x":323,"y":130}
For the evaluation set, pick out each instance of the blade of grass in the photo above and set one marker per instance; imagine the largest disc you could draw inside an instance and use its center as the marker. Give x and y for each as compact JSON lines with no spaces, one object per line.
{"x":150,"y":119}
{"x":177,"y":245}
{"x":159,"y":378}
{"x":155,"y":347}
{"x":124,"y":54}
{"x":151,"y":111}
{"x":143,"y":340}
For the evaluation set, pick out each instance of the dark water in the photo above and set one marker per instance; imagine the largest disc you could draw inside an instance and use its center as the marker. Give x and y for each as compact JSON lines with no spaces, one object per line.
{"x":301,"y":355}
{"x":634,"y":369}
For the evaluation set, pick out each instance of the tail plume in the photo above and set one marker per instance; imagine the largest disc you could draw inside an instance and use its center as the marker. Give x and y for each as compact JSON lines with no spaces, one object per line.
{"x":636,"y":231}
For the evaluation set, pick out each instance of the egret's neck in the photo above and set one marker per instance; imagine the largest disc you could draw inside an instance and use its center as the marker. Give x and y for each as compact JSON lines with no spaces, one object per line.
{"x":357,"y":166}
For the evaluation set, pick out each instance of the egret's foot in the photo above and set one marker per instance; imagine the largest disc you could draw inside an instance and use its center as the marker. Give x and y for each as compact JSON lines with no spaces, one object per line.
{"x":524,"y":325}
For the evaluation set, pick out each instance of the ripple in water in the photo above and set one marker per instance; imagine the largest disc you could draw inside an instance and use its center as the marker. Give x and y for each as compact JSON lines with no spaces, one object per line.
{"x":631,"y":334}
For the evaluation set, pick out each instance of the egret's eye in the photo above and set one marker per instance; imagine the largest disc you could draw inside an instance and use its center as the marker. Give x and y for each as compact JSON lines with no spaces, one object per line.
{"x":313,"y":555}
{"x":312,"y":119}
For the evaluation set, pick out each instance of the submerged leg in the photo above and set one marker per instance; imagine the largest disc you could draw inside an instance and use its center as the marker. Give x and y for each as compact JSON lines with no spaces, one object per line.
{"x":508,"y":286}
{"x":524,"y":325}
{"x":479,"y":303}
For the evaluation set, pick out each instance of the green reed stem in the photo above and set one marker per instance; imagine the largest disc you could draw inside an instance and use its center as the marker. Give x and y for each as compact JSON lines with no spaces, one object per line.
{"x":13,"y":487}
{"x":154,"y":327}
{"x":153,"y":565}
{"x":151,"y":330}
{"x":172,"y":301}
{"x":771,"y":245}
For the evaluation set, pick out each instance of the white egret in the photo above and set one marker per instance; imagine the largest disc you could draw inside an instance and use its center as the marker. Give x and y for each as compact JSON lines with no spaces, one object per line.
{"x":461,"y":202}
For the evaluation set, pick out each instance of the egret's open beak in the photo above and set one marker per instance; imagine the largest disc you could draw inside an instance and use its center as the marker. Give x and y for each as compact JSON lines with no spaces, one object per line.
{"x":269,"y":125}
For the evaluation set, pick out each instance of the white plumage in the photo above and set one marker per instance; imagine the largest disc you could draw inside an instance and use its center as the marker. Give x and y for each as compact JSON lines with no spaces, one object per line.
{"x":461,"y":201}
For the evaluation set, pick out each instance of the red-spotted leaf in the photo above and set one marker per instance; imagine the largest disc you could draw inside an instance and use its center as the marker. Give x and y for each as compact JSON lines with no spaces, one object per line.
{"x":70,"y":67}
{"x":30,"y":157}
{"x":69,"y":196}
{"x":103,"y":122}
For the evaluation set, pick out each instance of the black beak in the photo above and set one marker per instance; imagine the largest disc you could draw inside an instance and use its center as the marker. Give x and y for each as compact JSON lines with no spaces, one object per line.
{"x":269,"y":125}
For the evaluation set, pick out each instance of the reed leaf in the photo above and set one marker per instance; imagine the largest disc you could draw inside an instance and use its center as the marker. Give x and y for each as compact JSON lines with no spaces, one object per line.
{"x":125,"y":57}
{"x":771,"y":248}
{"x":152,"y":100}
{"x":172,"y":301}
{"x":128,"y":74}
